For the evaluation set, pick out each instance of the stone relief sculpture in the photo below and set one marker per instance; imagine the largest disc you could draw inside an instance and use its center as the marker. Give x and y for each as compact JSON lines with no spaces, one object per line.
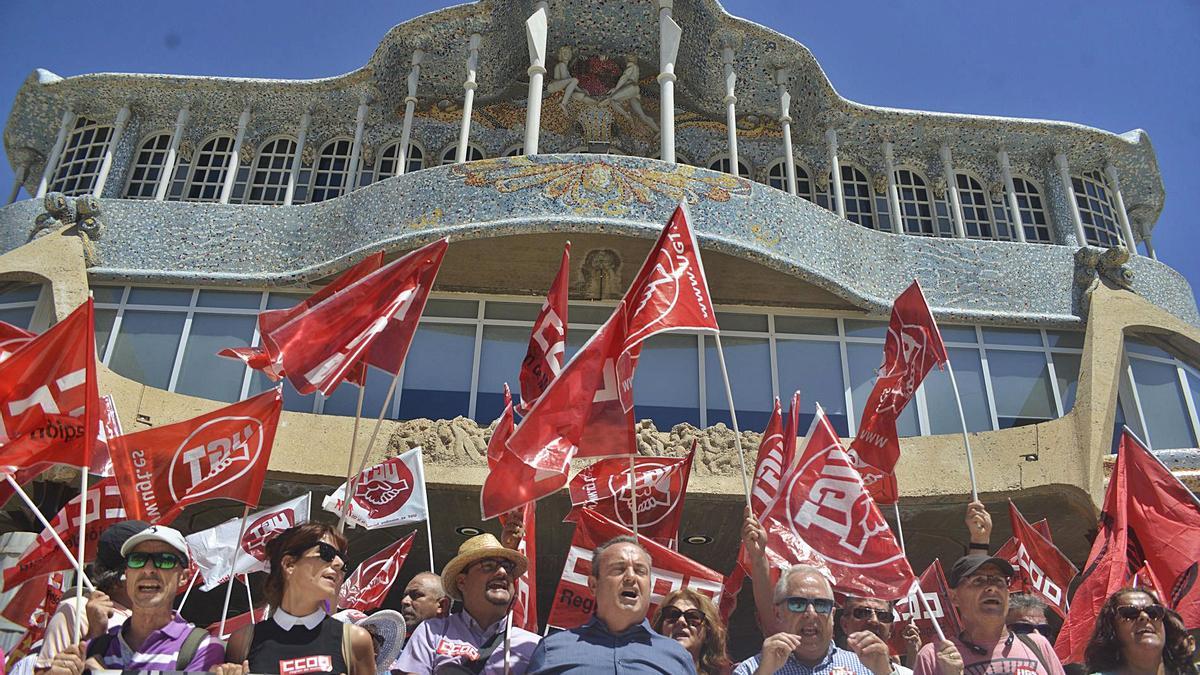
{"x":59,"y":212}
{"x":84,"y":214}
{"x":563,"y":81}
{"x":627,"y":92}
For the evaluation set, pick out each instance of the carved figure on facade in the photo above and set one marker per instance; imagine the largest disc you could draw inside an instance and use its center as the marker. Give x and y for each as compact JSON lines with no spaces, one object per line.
{"x":83,"y":213}
{"x":563,"y":81}
{"x":59,"y":212}
{"x":1107,"y":265}
{"x":627,"y":92}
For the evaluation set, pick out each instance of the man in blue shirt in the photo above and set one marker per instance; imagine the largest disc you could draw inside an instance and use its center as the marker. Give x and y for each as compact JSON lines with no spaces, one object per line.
{"x":618,"y":638}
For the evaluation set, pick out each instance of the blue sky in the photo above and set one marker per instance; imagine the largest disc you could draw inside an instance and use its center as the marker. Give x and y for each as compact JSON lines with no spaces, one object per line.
{"x":1112,"y":65}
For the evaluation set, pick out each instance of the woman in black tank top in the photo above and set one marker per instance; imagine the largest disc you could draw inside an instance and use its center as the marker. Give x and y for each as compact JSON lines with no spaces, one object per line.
{"x":308,"y":565}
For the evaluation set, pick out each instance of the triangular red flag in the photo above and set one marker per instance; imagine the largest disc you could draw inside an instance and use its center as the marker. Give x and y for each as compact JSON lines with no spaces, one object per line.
{"x":525,"y":610}
{"x":1041,"y":568}
{"x":548,"y":341}
{"x":368,"y":585}
{"x":504,"y":428}
{"x":32,"y":605}
{"x":12,"y":338}
{"x":941,"y":607}
{"x":823,"y":507}
{"x":221,"y":454}
{"x":912,"y":347}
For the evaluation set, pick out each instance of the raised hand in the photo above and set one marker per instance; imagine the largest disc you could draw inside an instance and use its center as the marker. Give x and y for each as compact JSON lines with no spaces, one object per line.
{"x":949,"y":661}
{"x":872,"y":651}
{"x":775,"y":652}
{"x":979,"y":523}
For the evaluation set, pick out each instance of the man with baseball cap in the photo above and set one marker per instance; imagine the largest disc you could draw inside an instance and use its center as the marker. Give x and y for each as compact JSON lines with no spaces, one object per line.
{"x":979,"y":588}
{"x":483,"y":576}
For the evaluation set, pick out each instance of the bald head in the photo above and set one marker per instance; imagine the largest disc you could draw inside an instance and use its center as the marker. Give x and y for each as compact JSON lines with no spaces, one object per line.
{"x":424,"y":598}
{"x":801,"y":573}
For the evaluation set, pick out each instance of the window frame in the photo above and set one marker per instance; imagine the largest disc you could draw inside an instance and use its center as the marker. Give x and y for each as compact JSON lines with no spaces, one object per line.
{"x":195,"y":165}
{"x":1039,"y":192}
{"x":134,"y":165}
{"x":80,"y":161}
{"x":714,"y":164}
{"x":395,"y":143}
{"x":251,"y":181}
{"x":985,"y":207}
{"x":447,"y":155}
{"x":1088,"y":216}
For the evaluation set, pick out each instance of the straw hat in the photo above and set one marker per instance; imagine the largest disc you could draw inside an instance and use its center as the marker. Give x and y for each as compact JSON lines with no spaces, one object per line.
{"x":473,"y":550}
{"x":389,"y":625}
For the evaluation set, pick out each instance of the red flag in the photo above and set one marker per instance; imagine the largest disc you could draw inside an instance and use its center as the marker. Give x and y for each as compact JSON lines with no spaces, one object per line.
{"x":912,"y":347}
{"x":1042,"y":568}
{"x":221,"y":454}
{"x":548,"y":342}
{"x":32,"y":605}
{"x":43,"y":555}
{"x":574,"y":601}
{"x":367,"y":587}
{"x":587,"y":411}
{"x":937,"y":594}
{"x":504,"y":428}
{"x":660,"y":484}
{"x":12,"y":339}
{"x":1144,"y":578}
{"x":233,"y":624}
{"x":49,"y":406}
{"x":22,"y":477}
{"x":824,"y":505}
{"x":524,"y":611}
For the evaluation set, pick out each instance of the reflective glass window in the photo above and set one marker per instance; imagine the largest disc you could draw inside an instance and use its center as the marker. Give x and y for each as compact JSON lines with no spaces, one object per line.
{"x":146,"y":169}
{"x":1021,"y":387}
{"x":748,"y":361}
{"x":437,"y":372}
{"x":1162,"y":403}
{"x":815,"y":369}
{"x":939,"y":397}
{"x":666,"y":386}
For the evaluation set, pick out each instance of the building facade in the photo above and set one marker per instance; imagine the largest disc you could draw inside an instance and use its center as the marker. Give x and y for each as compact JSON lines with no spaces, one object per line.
{"x":186,"y":205}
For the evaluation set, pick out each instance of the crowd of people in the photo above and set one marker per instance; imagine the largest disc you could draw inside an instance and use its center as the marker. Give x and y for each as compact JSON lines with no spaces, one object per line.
{"x":129,"y":622}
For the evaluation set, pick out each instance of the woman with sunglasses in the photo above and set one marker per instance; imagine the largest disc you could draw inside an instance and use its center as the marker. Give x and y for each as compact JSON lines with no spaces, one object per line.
{"x":691,"y":619}
{"x":308,"y":565}
{"x":1132,"y":637}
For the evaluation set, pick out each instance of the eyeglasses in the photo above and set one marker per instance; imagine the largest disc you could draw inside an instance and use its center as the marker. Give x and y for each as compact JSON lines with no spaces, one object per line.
{"x":864,"y":614}
{"x":327,"y":552}
{"x":1131,"y":612}
{"x":136,"y":560}
{"x":490,"y":565}
{"x":1025,"y":628}
{"x":983,"y":581}
{"x":798,"y":605}
{"x":694,"y":617}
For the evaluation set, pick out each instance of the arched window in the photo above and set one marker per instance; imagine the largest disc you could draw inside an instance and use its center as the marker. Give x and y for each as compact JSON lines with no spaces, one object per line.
{"x":915,"y":204}
{"x":81,"y":158}
{"x":515,"y":151}
{"x":272,"y":167}
{"x":722,"y":164}
{"x":389,"y":160}
{"x":1033,"y":213}
{"x":208,"y":170}
{"x":148,"y":166}
{"x":474,"y":154}
{"x":859,"y":202}
{"x":777,"y":178}
{"x":1096,"y":209}
{"x":977,"y":212}
{"x":332,"y":175}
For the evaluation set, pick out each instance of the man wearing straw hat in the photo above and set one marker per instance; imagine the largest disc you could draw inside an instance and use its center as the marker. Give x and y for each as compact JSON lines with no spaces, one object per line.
{"x":483,"y":576}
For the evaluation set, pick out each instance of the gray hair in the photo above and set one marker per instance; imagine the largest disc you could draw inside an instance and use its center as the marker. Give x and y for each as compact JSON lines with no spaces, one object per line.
{"x":619,"y":539}
{"x":781,"y":588}
{"x":1021,"y":601}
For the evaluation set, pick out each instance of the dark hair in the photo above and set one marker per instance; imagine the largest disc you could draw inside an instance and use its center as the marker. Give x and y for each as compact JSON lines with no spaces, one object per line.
{"x":290,"y":542}
{"x":619,"y":539}
{"x":1103,"y":652}
{"x":1025,"y":601}
{"x":713,"y":658}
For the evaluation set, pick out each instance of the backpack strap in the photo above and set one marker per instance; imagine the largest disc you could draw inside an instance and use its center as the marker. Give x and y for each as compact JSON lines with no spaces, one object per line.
{"x":190,"y":645}
{"x":1037,"y":651}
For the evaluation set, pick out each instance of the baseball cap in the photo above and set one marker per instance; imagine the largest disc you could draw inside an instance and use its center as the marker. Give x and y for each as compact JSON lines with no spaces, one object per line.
{"x":167,"y":535}
{"x":966,"y":566}
{"x":108,"y":549}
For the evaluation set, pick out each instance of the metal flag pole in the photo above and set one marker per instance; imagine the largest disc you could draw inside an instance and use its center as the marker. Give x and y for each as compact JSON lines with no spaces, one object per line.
{"x":350,"y":461}
{"x":425,"y":496}
{"x":633,"y":506}
{"x":188,"y":592}
{"x":737,"y":434}
{"x":237,"y":550}
{"x":351,"y":480}
{"x":937,"y":627}
{"x":962,"y":418}
{"x":53,"y":534}
{"x":249,"y":597}
{"x":899,"y":527}
{"x":83,"y":514}
{"x":508,"y":641}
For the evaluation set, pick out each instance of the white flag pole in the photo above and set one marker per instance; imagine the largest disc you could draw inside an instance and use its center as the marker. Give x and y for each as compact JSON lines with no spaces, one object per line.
{"x":962,"y":418}
{"x":249,"y":597}
{"x":937,"y":627}
{"x":83,"y":517}
{"x":425,"y":497}
{"x":237,"y":550}
{"x":737,"y":434}
{"x":899,"y":527}
{"x":633,"y":508}
{"x":353,"y":444}
{"x":351,"y":480}
{"x":53,"y":534}
{"x":188,"y":592}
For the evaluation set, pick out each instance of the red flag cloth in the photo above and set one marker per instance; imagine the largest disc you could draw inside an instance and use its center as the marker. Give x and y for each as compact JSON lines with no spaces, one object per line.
{"x":22,"y":477}
{"x":824,"y":505}
{"x":660,"y":484}
{"x":221,"y":454}
{"x":587,"y":411}
{"x":373,"y":318}
{"x":12,"y":338}
{"x":548,"y":342}
{"x":909,"y":608}
{"x":232,"y":624}
{"x":43,"y":555}
{"x":32,"y":605}
{"x":1041,"y":568}
{"x":367,"y":587}
{"x":524,"y":610}
{"x":504,"y":428}
{"x":573,"y":600}
{"x":913,"y":345}
{"x":49,"y":405}
{"x":1144,"y":578}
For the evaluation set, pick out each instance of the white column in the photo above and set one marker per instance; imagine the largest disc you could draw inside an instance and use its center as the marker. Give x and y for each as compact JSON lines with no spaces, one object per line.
{"x":785,"y":121}
{"x":730,"y":108}
{"x":1014,"y":207}
{"x":52,"y":159}
{"x":301,"y":137}
{"x":231,"y":168}
{"x":350,"y":182}
{"x":1114,"y":184}
{"x":464,"y":132}
{"x":1064,"y":177}
{"x":956,"y":212}
{"x":17,"y":181}
{"x":168,"y":174}
{"x":1145,"y":230}
{"x":889,"y":165}
{"x":113,"y":141}
{"x":410,"y":107}
{"x":535,"y":39}
{"x":835,"y":172}
{"x":669,"y":34}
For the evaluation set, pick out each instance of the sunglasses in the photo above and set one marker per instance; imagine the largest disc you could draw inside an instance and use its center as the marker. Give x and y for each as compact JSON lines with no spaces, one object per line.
{"x":1025,"y":628}
{"x":798,"y":605}
{"x":881,"y":615}
{"x":326,"y":552}
{"x":163,"y":561}
{"x":694,"y":617}
{"x":985,"y":581}
{"x":490,"y":565}
{"x":1131,"y":613}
